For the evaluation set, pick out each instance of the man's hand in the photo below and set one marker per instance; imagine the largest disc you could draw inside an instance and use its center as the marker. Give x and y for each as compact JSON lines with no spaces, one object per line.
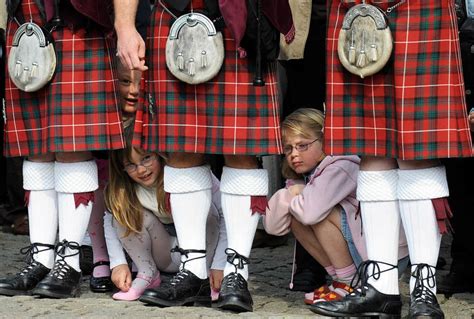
{"x":131,"y":49}
{"x":130,"y":45}
{"x":122,"y":277}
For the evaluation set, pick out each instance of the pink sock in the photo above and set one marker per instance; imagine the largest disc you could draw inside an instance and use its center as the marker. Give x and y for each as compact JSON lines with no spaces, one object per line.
{"x":331,"y":271}
{"x":346,"y":274}
{"x":96,"y":233}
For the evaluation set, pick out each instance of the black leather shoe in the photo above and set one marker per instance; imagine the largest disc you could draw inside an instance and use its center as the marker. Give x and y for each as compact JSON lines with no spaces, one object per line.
{"x":100,"y":284}
{"x":423,"y":302}
{"x":23,"y":282}
{"x":364,"y":302}
{"x":234,"y":294}
{"x":184,"y":289}
{"x":63,"y":281}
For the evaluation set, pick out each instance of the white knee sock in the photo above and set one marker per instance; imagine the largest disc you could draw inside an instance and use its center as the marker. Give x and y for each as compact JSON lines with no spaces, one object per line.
{"x":38,"y":178}
{"x":71,"y":178}
{"x":416,"y":189}
{"x":377,"y":193}
{"x":190,"y":199}
{"x":237,"y":188}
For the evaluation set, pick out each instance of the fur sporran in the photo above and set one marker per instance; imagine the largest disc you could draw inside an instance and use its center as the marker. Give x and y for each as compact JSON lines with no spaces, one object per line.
{"x":365,"y":42}
{"x":194,"y":49}
{"x":32,"y":58}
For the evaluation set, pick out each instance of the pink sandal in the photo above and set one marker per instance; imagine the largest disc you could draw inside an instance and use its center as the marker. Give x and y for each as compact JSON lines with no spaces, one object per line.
{"x":134,"y":293}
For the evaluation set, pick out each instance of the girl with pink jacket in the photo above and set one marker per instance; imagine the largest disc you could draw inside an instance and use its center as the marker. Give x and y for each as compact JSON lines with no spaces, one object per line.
{"x":319,"y":204}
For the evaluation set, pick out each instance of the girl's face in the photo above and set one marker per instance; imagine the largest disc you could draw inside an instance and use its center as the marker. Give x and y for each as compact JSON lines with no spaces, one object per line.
{"x":143,"y":168}
{"x":129,"y":88}
{"x":303,"y":154}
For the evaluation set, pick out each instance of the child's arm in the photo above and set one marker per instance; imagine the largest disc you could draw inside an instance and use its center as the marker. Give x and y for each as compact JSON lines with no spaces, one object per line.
{"x":114,"y":247}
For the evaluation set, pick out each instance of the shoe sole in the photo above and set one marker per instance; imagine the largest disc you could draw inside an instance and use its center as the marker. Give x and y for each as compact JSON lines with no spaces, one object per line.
{"x":50,"y":294}
{"x":353,"y":315}
{"x":191,"y":301}
{"x":12,"y":292}
{"x":235,"y":304}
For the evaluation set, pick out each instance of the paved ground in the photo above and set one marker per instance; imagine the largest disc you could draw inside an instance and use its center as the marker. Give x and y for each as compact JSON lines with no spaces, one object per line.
{"x":270,"y":273}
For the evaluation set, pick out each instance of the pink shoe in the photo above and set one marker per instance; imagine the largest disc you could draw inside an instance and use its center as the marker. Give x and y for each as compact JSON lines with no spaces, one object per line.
{"x":133,"y":293}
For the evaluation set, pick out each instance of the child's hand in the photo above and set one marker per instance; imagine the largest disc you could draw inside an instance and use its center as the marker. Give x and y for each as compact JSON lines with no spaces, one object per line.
{"x":215,"y":279}
{"x":122,"y":277}
{"x":296,"y":189}
{"x":471,"y":119}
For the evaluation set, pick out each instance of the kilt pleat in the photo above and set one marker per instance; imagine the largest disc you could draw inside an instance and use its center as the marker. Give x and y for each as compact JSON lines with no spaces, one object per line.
{"x":226,"y":115}
{"x":412,"y":109}
{"x":78,"y":110}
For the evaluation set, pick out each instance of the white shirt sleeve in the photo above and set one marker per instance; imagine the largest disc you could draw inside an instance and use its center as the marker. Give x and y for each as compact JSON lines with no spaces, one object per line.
{"x":114,"y":246}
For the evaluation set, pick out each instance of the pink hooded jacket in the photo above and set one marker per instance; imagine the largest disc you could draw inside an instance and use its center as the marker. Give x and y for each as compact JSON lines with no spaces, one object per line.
{"x":333,"y":182}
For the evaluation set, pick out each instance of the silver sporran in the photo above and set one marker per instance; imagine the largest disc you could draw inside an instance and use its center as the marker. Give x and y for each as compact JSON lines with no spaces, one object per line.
{"x":194,"y":49}
{"x":32,"y":58}
{"x":365,"y":42}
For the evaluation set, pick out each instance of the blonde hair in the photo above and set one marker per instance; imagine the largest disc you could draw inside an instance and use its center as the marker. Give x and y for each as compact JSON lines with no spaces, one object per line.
{"x":120,"y":193}
{"x":305,"y":122}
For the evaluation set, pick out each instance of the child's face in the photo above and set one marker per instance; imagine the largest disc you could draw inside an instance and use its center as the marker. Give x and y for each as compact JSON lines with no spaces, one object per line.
{"x":129,"y":87}
{"x":303,"y":154}
{"x":143,"y":168}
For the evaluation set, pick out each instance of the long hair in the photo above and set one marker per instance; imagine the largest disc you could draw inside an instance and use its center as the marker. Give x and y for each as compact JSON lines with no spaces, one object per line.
{"x":120,"y":193}
{"x":305,"y":122}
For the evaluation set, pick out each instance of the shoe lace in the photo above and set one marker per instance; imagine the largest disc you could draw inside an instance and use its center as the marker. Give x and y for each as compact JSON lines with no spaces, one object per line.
{"x":232,"y":255}
{"x":234,"y":281}
{"x":362,"y":275}
{"x":183,"y":273}
{"x":61,"y":267}
{"x":33,"y":249}
{"x":422,"y":292}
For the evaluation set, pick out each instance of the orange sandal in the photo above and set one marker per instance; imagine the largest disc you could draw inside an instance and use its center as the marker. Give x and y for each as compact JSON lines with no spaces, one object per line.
{"x":310,"y":297}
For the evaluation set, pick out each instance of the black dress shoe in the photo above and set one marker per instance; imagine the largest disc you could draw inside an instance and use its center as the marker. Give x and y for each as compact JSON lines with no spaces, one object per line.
{"x":63,"y":281}
{"x":100,"y":284}
{"x":423,"y":302}
{"x":363,"y":302}
{"x":234,"y":294}
{"x":23,"y":282}
{"x":184,"y":289}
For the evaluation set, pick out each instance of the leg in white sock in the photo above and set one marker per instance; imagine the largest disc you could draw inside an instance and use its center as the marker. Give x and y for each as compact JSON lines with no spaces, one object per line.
{"x":381,"y":221}
{"x":38,"y":178}
{"x":190,"y":199}
{"x":72,"y":179}
{"x":416,"y":188}
{"x":237,"y":188}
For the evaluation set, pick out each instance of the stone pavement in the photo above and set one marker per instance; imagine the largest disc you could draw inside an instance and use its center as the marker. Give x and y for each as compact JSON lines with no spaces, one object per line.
{"x":270,"y":275}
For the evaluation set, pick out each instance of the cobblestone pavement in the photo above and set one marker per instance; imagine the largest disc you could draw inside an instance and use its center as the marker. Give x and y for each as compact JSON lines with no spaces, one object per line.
{"x":270,"y":273}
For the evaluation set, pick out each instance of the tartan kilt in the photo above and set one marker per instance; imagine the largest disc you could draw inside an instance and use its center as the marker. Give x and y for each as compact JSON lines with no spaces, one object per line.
{"x":78,"y":110}
{"x":415,"y":107}
{"x":226,"y":115}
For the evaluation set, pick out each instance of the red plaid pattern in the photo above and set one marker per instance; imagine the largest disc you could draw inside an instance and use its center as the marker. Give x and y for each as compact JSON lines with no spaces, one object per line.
{"x":78,"y":111}
{"x":227,"y":115}
{"x":415,"y":107}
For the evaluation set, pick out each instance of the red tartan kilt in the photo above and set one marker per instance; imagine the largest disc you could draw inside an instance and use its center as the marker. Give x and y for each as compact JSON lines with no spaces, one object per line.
{"x":227,"y":115}
{"x":78,"y":110}
{"x":415,"y":107}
